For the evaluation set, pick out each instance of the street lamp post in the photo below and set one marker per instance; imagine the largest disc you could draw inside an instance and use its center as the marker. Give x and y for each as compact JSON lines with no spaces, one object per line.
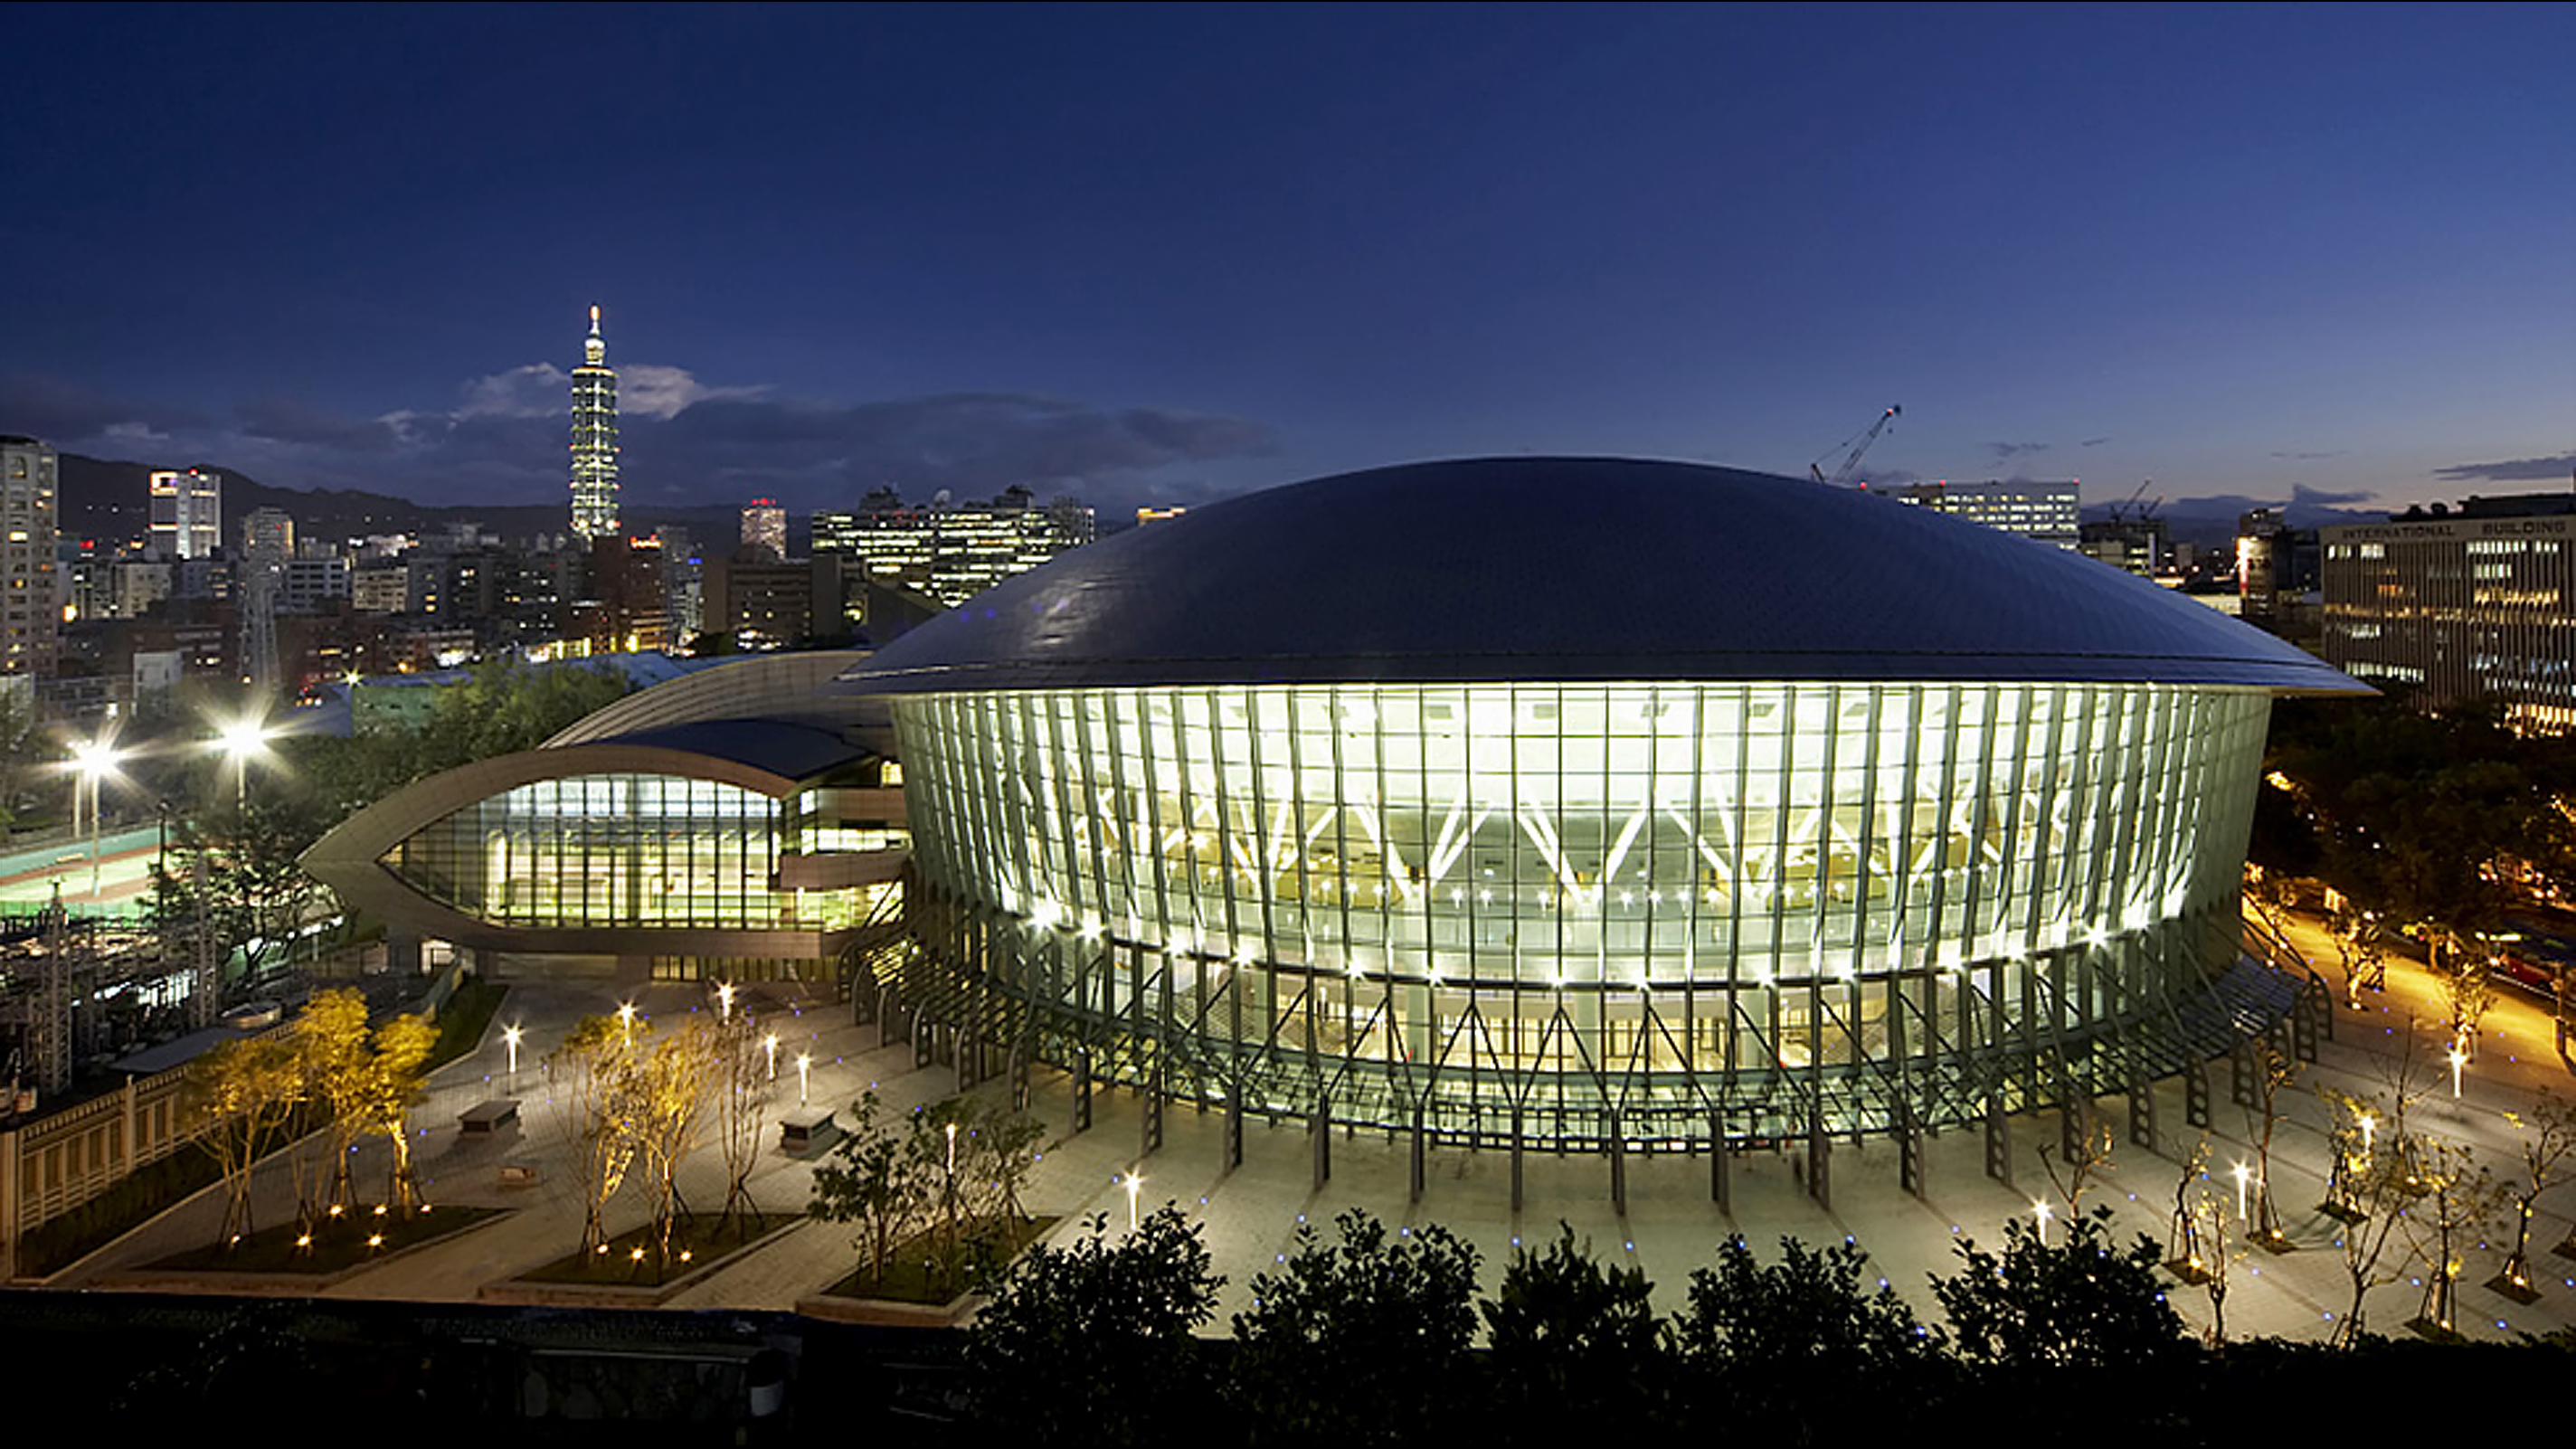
{"x":510,"y":1039}
{"x":804,"y":1076}
{"x":1133,"y":1183}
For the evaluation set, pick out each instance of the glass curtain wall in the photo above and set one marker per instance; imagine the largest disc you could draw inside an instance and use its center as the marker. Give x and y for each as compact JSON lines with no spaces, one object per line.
{"x":1743,"y":860}
{"x":613,"y":850}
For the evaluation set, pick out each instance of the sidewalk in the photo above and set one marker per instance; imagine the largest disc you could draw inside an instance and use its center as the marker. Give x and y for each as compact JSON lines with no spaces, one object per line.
{"x":1252,"y":1213}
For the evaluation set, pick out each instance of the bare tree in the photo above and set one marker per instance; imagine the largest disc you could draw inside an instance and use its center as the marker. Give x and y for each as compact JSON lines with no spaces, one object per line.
{"x":2548,"y":1139}
{"x":2274,"y":1071}
{"x":2221,"y":1256}
{"x":2183,"y":1252}
{"x":2455,"y":1199}
{"x":2071,"y":1174}
{"x":741,"y":1083}
{"x":2377,"y":1185}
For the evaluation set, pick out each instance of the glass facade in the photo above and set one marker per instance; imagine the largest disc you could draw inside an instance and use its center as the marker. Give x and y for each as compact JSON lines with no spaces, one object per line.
{"x":621,"y":851}
{"x":1736,"y":909}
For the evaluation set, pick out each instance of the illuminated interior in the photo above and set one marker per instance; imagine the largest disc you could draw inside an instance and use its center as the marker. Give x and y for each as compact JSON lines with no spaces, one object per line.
{"x":1684,"y":902}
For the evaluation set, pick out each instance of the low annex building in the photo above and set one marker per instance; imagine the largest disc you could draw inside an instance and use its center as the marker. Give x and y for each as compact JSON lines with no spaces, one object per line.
{"x":725,"y":824}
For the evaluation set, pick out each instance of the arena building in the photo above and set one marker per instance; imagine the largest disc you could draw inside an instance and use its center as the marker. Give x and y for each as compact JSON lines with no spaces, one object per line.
{"x":1583,"y":804}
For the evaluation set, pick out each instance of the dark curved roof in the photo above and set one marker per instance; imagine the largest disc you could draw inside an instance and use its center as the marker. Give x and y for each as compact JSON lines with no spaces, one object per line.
{"x":782,"y":747}
{"x":1571,"y":569}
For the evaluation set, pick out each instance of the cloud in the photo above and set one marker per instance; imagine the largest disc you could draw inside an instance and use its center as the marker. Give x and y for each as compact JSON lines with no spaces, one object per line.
{"x":2300,"y":493}
{"x":2311,"y":457}
{"x":502,"y":440}
{"x":2519,"y":470}
{"x":647,"y":390}
{"x":2092,"y":442}
{"x":2014,"y":450}
{"x":48,"y":408}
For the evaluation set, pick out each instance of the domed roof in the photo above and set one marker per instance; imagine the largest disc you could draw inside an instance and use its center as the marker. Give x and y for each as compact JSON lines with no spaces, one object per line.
{"x":1574,"y":569}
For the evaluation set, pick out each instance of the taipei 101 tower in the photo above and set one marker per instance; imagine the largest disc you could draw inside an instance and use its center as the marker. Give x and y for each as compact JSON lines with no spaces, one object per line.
{"x":594,"y":439}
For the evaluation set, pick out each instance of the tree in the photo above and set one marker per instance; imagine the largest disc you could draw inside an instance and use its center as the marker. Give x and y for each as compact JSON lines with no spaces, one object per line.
{"x":741,"y":1084}
{"x":2376,"y":1177}
{"x":1380,"y":1325}
{"x":2081,"y":1303}
{"x":592,"y":1072}
{"x":392,"y":1086}
{"x":2274,"y":1070}
{"x":330,"y":1039}
{"x":2454,"y":1199}
{"x":1092,"y":1343}
{"x":666,"y":1089}
{"x":869,"y":1181}
{"x":232,"y":867}
{"x":1775,"y":1346}
{"x":366,"y":1083}
{"x":2548,"y":1138}
{"x":245,"y":1092}
{"x":1573,"y":1341}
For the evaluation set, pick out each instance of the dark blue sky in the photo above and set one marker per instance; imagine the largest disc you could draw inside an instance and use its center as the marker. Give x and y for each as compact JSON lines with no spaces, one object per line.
{"x":1158,"y":252}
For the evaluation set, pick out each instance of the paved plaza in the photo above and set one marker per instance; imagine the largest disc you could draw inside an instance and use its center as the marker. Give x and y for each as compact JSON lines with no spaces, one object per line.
{"x":1252,"y":1212}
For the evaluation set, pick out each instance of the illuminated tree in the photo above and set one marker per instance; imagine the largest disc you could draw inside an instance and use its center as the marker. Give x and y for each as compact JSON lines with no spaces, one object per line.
{"x":391,"y":1087}
{"x":2454,"y":1200}
{"x":330,"y":1042}
{"x":593,"y":1074}
{"x":2274,"y":1071}
{"x":245,"y":1092}
{"x":741,"y":1083}
{"x":2548,"y":1138}
{"x":666,"y":1100}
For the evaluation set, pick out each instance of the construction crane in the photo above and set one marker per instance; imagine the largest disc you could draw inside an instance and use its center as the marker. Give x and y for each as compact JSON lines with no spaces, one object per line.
{"x":1852,"y":461}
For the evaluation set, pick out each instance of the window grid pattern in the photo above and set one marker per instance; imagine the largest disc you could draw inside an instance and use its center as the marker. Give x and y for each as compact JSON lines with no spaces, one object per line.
{"x":614,"y":850}
{"x":1580,"y":882}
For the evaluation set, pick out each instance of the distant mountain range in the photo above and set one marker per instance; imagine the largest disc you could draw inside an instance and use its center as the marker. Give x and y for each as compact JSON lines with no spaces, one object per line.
{"x":2211,"y":522}
{"x":106,"y":500}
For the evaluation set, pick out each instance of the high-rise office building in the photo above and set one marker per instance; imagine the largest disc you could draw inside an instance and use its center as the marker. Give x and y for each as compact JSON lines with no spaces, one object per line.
{"x":952,"y":552}
{"x":2478,"y":601}
{"x":764,"y":531}
{"x":187,"y":514}
{"x":594,"y":439}
{"x":268,"y":535}
{"x":2049,"y":512}
{"x":30,"y":615}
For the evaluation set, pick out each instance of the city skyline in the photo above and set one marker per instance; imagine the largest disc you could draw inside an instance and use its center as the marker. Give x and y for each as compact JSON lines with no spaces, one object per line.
{"x":1150,"y":256}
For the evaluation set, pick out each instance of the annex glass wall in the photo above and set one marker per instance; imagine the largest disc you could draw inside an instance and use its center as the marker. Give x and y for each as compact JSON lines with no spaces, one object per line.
{"x":613,"y":850}
{"x":1678,"y":878}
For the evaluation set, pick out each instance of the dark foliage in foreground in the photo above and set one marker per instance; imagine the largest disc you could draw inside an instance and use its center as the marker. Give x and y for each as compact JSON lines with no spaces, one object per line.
{"x":1366,"y":1340}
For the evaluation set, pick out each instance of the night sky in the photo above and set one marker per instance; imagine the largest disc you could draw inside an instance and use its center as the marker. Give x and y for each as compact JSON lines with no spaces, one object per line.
{"x":1162,"y":253}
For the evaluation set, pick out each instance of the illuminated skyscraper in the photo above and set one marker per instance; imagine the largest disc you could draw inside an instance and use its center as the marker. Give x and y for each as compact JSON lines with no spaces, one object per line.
{"x":594,"y":438}
{"x":187,"y":514}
